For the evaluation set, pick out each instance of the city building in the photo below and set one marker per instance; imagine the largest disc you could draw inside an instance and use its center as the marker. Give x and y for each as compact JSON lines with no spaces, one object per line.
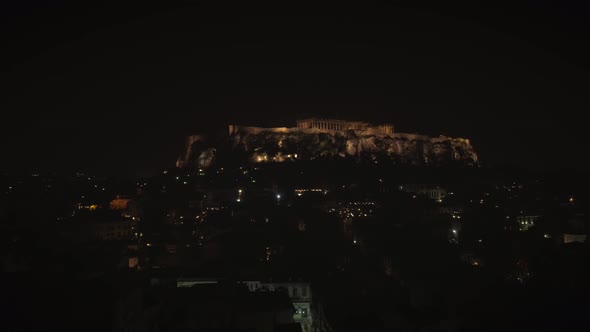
{"x":113,"y":230}
{"x":299,"y":293}
{"x":205,"y":307}
{"x":119,"y":203}
{"x":526,"y":222}
{"x":575,"y":229}
{"x":431,"y":191}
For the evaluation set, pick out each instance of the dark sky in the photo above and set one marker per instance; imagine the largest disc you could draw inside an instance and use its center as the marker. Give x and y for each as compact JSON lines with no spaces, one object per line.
{"x":115,"y":88}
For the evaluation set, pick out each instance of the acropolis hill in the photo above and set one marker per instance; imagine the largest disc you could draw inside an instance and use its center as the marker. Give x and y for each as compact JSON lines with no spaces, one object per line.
{"x":315,"y":138}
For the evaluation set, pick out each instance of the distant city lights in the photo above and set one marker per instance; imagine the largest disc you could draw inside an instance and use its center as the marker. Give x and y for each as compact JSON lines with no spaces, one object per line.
{"x":300,"y":192}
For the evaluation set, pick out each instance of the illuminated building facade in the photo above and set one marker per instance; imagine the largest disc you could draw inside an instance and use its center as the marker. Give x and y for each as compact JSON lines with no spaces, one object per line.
{"x":119,"y":203}
{"x":341,"y":125}
{"x":431,"y":191}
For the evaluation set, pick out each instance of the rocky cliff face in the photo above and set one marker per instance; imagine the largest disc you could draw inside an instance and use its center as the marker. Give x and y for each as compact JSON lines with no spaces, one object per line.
{"x":289,"y":144}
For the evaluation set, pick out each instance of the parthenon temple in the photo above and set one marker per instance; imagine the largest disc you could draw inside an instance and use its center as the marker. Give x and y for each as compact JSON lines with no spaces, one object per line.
{"x":341,"y":125}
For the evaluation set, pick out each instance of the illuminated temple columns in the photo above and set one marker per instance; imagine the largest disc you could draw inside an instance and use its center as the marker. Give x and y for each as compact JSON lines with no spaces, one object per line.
{"x":339,"y":125}
{"x":328,"y":125}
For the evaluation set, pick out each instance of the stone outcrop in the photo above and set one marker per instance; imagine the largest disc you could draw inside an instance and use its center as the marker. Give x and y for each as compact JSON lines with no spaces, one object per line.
{"x":261,"y":145}
{"x":199,"y":153}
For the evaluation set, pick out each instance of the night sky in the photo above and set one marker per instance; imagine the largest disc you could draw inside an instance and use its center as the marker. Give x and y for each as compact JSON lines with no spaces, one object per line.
{"x":115,"y":89}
